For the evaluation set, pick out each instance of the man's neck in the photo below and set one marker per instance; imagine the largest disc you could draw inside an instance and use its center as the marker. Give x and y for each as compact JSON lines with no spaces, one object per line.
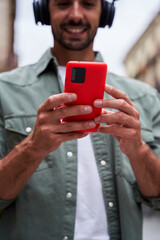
{"x":64,"y":55}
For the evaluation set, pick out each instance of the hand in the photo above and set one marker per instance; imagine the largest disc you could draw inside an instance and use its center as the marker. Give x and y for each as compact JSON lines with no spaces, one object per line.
{"x":124,"y":125}
{"x":50,"y":131}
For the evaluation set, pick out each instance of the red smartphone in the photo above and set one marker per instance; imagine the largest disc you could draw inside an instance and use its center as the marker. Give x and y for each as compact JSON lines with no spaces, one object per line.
{"x":87,"y":80}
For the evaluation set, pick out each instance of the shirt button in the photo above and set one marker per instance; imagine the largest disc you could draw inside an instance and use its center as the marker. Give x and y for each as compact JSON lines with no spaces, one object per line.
{"x":28,"y":129}
{"x":65,"y":238}
{"x":69,"y":154}
{"x":110,"y":204}
{"x":103,"y":163}
{"x":69,"y":195}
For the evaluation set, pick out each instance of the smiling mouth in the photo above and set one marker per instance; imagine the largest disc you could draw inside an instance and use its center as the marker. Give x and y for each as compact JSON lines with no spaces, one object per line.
{"x":74,"y":30}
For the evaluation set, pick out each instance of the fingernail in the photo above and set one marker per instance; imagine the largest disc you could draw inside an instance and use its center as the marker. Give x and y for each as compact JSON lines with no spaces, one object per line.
{"x":92,"y":124}
{"x":88,"y":109}
{"x":98,"y":103}
{"x":110,"y":87}
{"x":72,"y":97}
{"x":97,"y":119}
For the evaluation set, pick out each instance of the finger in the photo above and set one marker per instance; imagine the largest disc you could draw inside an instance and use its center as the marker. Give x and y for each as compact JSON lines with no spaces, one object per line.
{"x":118,"y":104}
{"x":118,"y":118}
{"x":104,"y":111}
{"x":118,"y":131}
{"x":64,"y":127}
{"x":117,"y":138}
{"x":67,"y":111}
{"x":55,"y":116}
{"x":56,"y":100}
{"x":117,"y":94}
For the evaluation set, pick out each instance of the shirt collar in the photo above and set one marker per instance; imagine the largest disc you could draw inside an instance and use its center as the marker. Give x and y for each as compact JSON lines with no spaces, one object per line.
{"x":48,"y":58}
{"x":98,"y":57}
{"x":44,"y":62}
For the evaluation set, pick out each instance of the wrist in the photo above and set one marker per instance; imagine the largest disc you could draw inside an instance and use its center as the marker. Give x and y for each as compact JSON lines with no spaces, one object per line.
{"x":28,"y":147}
{"x":140,"y":153}
{"x":146,"y":167}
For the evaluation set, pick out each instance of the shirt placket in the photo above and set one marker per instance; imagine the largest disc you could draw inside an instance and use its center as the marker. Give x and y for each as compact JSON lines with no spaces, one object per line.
{"x":103,"y":148}
{"x":70,"y":190}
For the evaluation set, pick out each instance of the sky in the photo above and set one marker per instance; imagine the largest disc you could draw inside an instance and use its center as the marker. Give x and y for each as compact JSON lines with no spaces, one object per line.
{"x":131,"y":19}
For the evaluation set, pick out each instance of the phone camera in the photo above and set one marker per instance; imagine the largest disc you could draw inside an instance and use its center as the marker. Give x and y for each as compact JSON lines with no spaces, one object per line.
{"x":78,"y":75}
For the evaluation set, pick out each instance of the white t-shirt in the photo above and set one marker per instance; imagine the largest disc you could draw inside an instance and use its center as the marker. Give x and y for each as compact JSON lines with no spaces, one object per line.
{"x":91,"y":221}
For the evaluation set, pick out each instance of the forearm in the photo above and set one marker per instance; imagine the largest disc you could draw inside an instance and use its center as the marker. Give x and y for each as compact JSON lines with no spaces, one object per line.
{"x":17,"y":167}
{"x":146,"y":167}
{"x":125,"y":126}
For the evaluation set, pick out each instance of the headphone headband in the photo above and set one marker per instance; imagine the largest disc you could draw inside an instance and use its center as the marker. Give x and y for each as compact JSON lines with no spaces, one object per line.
{"x":41,"y":12}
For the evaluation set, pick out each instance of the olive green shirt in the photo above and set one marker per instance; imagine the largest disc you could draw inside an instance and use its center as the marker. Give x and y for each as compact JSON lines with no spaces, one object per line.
{"x":44,"y":210}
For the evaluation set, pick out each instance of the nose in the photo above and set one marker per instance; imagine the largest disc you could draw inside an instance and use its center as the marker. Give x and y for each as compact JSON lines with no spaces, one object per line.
{"x":76,"y":12}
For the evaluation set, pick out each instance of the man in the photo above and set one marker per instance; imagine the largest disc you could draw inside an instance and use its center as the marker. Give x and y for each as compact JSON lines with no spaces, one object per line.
{"x":56,"y":182}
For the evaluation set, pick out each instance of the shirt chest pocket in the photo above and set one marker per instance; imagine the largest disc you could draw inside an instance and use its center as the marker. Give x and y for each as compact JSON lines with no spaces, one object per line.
{"x":147,"y":132}
{"x":146,"y":121}
{"x":147,"y":135}
{"x":17,"y":129}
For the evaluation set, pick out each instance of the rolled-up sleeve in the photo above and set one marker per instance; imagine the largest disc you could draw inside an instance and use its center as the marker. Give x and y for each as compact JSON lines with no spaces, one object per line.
{"x":154,"y":203}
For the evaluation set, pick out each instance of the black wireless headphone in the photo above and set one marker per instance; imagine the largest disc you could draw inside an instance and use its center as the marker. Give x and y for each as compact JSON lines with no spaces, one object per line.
{"x":41,"y":12}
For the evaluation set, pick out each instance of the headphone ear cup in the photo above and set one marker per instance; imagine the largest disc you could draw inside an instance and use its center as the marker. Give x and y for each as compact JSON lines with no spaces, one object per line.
{"x":41,"y":12}
{"x":107,"y":14}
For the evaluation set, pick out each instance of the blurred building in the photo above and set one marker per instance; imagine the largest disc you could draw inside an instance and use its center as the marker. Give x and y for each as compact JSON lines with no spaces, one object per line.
{"x":8,"y":60}
{"x":143,"y":60}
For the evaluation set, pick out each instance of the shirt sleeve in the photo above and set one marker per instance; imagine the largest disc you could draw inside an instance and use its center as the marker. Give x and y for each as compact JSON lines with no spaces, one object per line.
{"x":154,"y":203}
{"x":3,"y":147}
{"x":3,"y":152}
{"x":155,"y":146}
{"x":155,"y":110}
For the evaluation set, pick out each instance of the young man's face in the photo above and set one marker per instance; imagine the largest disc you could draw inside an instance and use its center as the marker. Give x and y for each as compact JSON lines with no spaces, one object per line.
{"x":74,"y":22}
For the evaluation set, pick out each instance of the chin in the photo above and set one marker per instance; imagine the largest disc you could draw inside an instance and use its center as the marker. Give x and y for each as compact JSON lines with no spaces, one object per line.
{"x":76,"y":47}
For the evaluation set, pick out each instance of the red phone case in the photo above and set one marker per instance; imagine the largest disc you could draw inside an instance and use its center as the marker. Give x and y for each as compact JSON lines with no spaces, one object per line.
{"x":92,"y":88}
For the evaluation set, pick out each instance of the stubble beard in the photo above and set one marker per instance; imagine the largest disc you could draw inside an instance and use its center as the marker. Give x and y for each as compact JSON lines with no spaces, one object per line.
{"x":74,"y":44}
